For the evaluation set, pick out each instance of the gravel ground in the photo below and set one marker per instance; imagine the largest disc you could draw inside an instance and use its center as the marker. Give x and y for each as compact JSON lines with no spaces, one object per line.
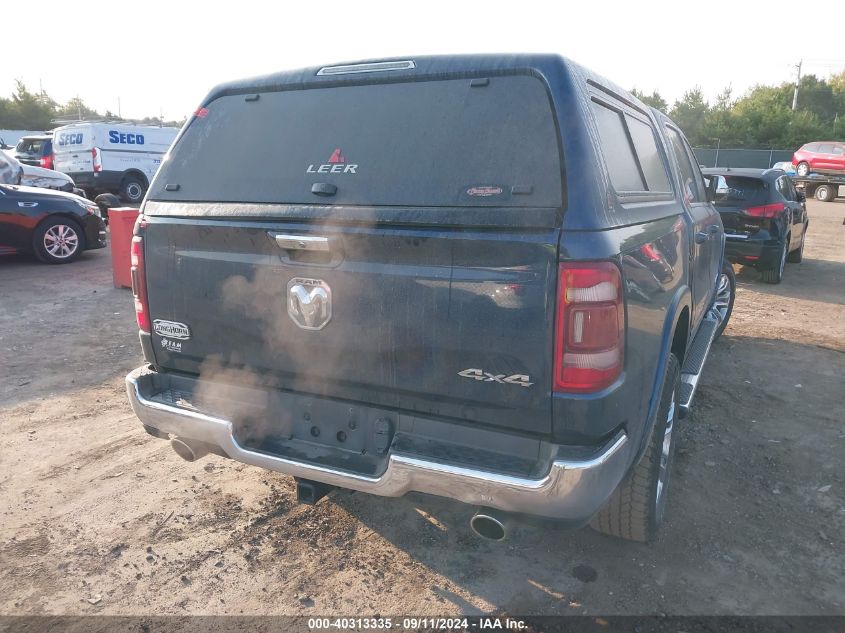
{"x":99,"y":518}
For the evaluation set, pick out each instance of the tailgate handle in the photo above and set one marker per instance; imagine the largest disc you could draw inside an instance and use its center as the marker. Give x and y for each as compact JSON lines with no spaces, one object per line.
{"x":302,"y":242}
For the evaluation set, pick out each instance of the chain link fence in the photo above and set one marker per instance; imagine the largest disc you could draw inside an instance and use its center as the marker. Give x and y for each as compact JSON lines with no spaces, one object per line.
{"x":759,"y":158}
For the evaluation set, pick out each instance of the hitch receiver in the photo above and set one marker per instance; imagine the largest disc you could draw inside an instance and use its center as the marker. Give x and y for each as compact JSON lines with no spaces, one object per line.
{"x":310,"y":492}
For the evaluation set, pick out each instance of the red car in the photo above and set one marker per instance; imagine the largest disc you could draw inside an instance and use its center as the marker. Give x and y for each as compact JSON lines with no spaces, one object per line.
{"x":822,"y":156}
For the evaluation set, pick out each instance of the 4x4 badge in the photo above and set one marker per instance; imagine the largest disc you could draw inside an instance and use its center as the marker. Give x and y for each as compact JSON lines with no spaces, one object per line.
{"x":514,"y":379}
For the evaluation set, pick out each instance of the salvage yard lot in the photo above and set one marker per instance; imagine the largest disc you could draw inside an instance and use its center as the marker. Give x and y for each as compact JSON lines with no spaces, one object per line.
{"x":98,"y":517}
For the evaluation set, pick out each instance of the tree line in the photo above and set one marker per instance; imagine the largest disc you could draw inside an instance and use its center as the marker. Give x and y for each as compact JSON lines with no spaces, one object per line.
{"x":762,"y":118}
{"x":26,"y":110}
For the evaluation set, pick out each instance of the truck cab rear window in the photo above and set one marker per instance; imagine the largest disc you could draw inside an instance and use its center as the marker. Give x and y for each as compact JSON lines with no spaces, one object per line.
{"x":428,"y":143}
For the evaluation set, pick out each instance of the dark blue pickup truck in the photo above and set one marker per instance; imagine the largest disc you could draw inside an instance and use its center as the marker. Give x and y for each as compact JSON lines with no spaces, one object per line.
{"x":490,"y":278}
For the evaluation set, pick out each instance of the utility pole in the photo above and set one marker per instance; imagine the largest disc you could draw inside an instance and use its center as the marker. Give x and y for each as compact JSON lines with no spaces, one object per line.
{"x":797,"y":82}
{"x":118,"y":108}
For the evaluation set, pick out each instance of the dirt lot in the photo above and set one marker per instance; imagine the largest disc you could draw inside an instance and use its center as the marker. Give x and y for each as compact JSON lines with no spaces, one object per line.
{"x":98,"y":517}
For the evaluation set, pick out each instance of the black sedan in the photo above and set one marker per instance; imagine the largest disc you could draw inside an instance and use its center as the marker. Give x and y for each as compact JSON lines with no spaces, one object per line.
{"x":764,"y":216}
{"x":53,"y":225}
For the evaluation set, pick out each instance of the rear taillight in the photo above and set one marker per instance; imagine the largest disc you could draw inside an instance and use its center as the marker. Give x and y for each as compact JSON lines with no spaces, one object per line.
{"x":590,"y":327}
{"x":139,"y":283}
{"x":96,"y":160}
{"x":47,"y":161}
{"x":765,"y":211}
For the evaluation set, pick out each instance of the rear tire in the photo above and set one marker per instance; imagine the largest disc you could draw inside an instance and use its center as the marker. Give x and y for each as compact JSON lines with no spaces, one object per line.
{"x":58,"y":240}
{"x":775,"y":275}
{"x":132,"y":189}
{"x":636,"y":508}
{"x":802,"y":169}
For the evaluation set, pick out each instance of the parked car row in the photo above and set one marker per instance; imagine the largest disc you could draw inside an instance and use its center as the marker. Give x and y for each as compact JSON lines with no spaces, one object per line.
{"x":101,"y":157}
{"x":31,"y":174}
{"x":55,"y":225}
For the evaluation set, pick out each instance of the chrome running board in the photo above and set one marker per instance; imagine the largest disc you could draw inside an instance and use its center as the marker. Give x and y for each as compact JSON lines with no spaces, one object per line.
{"x":695,"y":359}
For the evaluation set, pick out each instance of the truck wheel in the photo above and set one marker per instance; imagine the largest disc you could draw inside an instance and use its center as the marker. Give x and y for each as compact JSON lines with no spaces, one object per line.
{"x":58,"y":240}
{"x":775,"y":275}
{"x":636,"y":508}
{"x":725,"y":294}
{"x":132,"y":189}
{"x":802,"y":169}
{"x":824,"y":193}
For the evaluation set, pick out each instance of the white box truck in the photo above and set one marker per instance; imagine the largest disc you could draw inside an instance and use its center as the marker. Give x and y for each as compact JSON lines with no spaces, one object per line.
{"x":117,"y":158}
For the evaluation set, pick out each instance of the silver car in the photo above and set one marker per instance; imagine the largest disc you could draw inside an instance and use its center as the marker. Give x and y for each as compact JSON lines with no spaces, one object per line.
{"x":11,"y":171}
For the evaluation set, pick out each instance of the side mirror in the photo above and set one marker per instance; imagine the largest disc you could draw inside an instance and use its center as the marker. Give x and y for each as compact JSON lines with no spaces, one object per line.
{"x":802,"y":197}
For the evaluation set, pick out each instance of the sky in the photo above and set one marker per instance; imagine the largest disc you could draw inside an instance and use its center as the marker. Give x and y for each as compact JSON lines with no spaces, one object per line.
{"x":152,"y":58}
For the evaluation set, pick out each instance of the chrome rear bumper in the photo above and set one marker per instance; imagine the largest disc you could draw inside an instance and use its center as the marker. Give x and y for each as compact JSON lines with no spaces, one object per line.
{"x":573,"y":490}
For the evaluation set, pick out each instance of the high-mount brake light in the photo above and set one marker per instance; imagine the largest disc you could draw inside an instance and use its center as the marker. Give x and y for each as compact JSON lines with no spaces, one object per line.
{"x":368,"y":67}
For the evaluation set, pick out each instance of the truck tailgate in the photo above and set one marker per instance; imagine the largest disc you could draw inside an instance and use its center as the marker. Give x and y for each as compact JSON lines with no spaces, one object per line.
{"x":446,"y":321}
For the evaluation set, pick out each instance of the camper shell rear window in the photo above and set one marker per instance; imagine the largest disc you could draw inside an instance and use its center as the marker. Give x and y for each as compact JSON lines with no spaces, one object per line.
{"x":453,"y":142}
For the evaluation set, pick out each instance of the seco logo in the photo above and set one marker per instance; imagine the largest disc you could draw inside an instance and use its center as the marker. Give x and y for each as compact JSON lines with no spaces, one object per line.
{"x":70,"y":139}
{"x":125,"y":139}
{"x":337,"y":165}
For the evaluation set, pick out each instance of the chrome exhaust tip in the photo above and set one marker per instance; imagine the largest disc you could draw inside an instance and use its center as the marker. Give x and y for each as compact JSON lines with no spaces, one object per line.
{"x":187,"y":450}
{"x":490,"y":525}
